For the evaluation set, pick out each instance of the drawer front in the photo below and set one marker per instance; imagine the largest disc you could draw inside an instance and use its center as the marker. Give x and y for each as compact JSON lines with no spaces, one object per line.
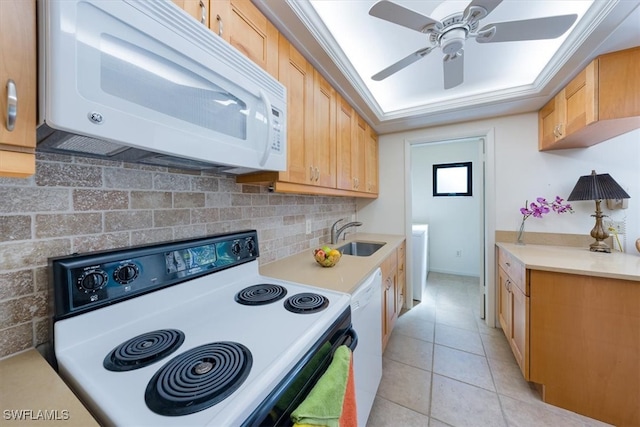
{"x":514,"y":269}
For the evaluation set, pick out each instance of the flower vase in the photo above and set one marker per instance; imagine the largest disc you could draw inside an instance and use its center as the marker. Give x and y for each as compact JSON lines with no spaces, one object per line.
{"x":520,"y":234}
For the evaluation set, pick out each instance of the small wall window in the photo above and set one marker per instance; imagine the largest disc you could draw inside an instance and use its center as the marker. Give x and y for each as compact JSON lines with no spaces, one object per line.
{"x":452,"y":179}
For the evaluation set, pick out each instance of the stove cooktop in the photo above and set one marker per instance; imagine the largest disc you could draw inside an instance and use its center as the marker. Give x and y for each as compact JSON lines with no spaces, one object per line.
{"x":125,"y":359}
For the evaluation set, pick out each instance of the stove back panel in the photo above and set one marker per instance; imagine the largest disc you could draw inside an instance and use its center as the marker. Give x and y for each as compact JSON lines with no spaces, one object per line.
{"x":85,"y":282}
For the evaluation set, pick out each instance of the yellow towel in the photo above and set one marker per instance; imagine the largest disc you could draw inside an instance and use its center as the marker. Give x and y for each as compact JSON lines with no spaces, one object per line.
{"x":324,"y":404}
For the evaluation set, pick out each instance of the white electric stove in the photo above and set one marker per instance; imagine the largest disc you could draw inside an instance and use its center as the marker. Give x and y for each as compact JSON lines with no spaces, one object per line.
{"x":189,"y":333}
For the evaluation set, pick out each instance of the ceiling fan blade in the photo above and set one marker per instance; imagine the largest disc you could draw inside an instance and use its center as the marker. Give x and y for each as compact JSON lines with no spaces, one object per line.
{"x":478,"y":9}
{"x":404,"y":62}
{"x":453,"y":67}
{"x":529,"y":29}
{"x":400,"y":15}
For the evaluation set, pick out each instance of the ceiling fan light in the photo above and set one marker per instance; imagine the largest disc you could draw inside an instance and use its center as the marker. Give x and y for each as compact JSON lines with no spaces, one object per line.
{"x":453,"y":41}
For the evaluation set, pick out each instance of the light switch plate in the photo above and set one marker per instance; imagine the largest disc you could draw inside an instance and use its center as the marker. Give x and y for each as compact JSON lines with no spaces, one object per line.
{"x":308,"y":231}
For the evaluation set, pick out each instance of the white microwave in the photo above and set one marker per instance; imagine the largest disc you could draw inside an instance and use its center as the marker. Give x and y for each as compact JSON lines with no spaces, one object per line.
{"x":142,"y":81}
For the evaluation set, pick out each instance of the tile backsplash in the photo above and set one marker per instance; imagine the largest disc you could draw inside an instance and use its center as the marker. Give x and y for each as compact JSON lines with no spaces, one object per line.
{"x":75,"y":204}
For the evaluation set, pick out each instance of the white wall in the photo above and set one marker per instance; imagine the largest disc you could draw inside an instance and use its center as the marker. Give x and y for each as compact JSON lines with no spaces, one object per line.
{"x":454,"y":222}
{"x":521,"y":173}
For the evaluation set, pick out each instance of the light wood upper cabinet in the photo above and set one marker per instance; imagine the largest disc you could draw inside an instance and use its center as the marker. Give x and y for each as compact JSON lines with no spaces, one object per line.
{"x":248,"y":30}
{"x":601,"y":102}
{"x":18,"y":74}
{"x":345,"y":128}
{"x":241,"y":24}
{"x":330,"y":149}
{"x":199,"y":9}
{"x":323,"y":145}
{"x":357,"y":152}
{"x":371,"y":162}
{"x":297,"y":74}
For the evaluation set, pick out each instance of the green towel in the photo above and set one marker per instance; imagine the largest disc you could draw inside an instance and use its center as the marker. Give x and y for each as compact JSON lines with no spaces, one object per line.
{"x":323,"y":405}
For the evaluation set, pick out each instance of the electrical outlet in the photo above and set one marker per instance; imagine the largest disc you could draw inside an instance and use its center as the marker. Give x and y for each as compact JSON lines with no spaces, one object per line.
{"x":459,"y":253}
{"x":618,"y":226}
{"x":308,"y":231}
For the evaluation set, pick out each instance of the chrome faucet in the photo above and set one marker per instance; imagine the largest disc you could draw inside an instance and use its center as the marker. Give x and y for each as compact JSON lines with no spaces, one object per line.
{"x":335,"y":232}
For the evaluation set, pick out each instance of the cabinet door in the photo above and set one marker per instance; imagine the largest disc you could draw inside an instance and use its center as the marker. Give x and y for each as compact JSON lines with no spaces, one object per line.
{"x":371,"y":162}
{"x":249,"y":31}
{"x":345,"y":130}
{"x":296,"y":74}
{"x":323,"y":145}
{"x":389,"y":306}
{"x":619,"y":84}
{"x":358,"y":153}
{"x":504,"y":302}
{"x":580,"y":100}
{"x":518,"y":336}
{"x":199,"y":9}
{"x":18,"y":65}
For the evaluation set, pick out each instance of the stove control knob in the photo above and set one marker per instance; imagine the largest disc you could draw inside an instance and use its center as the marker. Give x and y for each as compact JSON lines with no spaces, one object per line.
{"x":126,"y":273}
{"x":251,"y":246}
{"x":92,"y":280}
{"x":235,"y":248}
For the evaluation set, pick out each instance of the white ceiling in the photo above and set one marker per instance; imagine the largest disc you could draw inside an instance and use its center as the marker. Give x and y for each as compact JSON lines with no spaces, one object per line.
{"x":348,"y":46}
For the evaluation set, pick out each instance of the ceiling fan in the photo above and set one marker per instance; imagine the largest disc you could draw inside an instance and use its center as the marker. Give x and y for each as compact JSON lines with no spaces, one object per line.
{"x":450,"y":33}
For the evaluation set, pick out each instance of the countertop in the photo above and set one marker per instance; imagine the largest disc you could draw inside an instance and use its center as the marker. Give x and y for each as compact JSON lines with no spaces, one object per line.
{"x":32,"y":393}
{"x":345,"y":276}
{"x":565,"y":259}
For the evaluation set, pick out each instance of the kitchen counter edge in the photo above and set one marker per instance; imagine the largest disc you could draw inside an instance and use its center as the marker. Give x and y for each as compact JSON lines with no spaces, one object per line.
{"x":346,"y":276}
{"x":32,"y":393}
{"x":572,"y":260}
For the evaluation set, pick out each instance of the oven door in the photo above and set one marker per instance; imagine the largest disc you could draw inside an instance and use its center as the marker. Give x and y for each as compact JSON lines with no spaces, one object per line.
{"x":276,"y":409}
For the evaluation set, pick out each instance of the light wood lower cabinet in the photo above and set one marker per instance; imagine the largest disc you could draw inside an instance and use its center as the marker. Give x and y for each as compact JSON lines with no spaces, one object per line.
{"x":393,"y":290}
{"x":389,"y":292}
{"x":513,"y":308}
{"x":577,"y":337}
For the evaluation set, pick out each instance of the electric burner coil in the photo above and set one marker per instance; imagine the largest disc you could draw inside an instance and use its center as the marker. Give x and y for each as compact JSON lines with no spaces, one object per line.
{"x":143,"y":350}
{"x":198,"y":378}
{"x":261,"y":294}
{"x":306,"y":303}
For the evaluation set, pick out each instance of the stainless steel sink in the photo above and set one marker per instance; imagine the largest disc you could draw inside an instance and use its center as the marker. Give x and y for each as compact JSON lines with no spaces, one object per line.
{"x":358,"y":248}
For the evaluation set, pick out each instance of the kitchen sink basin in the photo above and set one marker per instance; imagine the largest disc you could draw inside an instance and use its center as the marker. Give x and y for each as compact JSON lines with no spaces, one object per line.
{"x":358,"y":248}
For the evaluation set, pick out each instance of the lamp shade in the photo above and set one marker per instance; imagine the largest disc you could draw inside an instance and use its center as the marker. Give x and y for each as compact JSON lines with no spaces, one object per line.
{"x":597,"y":187}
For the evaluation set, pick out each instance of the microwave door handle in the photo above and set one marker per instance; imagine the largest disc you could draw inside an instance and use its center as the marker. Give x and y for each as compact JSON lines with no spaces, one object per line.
{"x":267,"y":145}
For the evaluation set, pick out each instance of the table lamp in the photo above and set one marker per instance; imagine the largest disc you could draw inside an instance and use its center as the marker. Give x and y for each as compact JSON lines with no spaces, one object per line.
{"x":598,"y":187}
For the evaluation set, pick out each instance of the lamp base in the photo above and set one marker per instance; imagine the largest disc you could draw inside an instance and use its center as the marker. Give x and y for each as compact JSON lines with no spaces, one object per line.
{"x":599,"y":246}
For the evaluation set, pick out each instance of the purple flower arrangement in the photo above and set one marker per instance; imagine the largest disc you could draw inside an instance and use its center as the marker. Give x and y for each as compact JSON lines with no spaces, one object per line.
{"x":539,"y":208}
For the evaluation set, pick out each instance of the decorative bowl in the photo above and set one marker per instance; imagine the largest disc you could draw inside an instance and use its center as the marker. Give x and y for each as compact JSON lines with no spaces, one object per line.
{"x":327,"y":256}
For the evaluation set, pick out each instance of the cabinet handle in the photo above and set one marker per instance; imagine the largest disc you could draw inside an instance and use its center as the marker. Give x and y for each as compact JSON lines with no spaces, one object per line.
{"x":12,"y":105}
{"x":507,"y":264}
{"x":317,"y":174}
{"x":203,"y":10}
{"x":559,"y":130}
{"x":312,"y":175}
{"x":219,"y":19}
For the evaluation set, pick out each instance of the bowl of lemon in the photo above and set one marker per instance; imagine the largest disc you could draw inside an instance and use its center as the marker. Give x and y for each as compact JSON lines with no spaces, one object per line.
{"x":326,"y":256}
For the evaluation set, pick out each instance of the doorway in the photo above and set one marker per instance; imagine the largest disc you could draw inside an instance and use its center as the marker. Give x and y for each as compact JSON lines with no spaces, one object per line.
{"x":457,"y":226}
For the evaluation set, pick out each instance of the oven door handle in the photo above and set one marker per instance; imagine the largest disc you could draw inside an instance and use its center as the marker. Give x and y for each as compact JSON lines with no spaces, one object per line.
{"x":351,"y":333}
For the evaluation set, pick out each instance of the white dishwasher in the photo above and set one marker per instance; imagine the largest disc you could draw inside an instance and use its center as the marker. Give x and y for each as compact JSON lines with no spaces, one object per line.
{"x":366,"y":318}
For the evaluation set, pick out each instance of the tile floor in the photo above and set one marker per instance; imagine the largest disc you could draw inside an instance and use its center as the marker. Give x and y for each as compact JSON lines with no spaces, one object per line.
{"x":444,"y":367}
